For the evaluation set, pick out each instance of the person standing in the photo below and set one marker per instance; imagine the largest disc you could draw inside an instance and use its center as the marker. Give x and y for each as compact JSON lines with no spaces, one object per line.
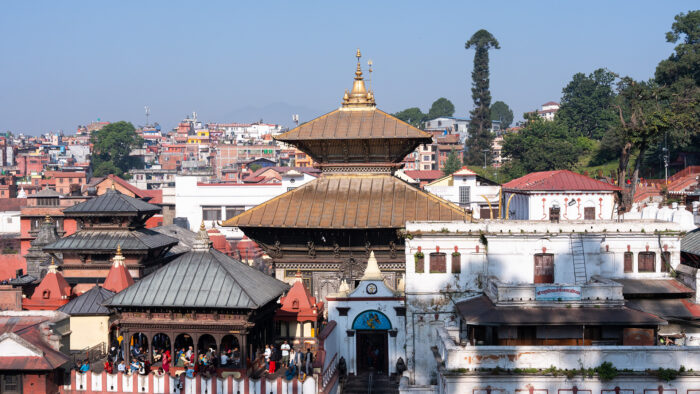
{"x":285,"y":354}
{"x":274,"y":358}
{"x":267,"y":357}
{"x":308,"y":361}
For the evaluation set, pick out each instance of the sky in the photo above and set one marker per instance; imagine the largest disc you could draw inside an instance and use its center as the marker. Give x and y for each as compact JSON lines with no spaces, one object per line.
{"x":67,"y":63}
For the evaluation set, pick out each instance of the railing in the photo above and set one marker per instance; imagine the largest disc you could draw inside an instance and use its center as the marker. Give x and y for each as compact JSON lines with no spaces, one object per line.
{"x":635,"y":358}
{"x":91,"y":353}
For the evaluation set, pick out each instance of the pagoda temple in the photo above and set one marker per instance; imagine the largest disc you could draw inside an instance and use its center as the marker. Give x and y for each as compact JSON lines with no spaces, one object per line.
{"x":107,"y":222}
{"x":327,"y":228}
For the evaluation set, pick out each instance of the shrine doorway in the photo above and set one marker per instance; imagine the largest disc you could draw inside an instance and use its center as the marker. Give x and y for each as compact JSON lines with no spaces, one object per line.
{"x":372,"y":351}
{"x":372,"y":341}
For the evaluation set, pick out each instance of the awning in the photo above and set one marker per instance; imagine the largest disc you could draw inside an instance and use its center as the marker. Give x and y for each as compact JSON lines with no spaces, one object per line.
{"x":481,"y":311}
{"x":680,"y":308}
{"x":654,"y":288}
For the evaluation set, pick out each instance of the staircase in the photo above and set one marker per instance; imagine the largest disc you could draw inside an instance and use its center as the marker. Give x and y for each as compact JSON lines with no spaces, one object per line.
{"x":579,"y":258}
{"x":370,"y":383}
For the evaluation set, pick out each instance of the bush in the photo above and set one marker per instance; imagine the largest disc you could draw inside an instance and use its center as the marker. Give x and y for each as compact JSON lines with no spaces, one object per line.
{"x":606,"y":371}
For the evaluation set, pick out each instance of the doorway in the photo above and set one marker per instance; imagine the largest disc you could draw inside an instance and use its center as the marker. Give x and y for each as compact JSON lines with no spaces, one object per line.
{"x":372,"y":351}
{"x":544,"y":268}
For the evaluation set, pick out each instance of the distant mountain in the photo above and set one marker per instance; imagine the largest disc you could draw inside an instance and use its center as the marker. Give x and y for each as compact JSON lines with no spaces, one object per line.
{"x":279,"y":113}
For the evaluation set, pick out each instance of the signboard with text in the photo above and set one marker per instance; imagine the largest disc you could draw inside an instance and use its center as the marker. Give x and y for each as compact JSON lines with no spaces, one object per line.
{"x":557,"y":293}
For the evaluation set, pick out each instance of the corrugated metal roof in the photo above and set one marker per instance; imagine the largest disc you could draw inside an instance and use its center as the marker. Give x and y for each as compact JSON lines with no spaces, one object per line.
{"x":560,"y":180}
{"x":88,"y":303}
{"x":341,"y":124}
{"x":349,"y":202}
{"x":656,"y":288}
{"x":111,"y":202}
{"x":108,"y":240}
{"x":668,"y":309}
{"x":202,"y":279}
{"x":481,"y":311}
{"x":690,"y":243}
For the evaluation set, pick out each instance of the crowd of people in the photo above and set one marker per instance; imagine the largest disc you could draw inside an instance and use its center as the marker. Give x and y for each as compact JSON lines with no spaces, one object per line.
{"x":296,"y":362}
{"x":277,"y":357}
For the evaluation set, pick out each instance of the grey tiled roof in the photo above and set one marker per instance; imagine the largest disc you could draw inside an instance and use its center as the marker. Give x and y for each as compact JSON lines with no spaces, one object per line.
{"x":88,"y":303}
{"x":202,"y":279}
{"x":112,"y":202}
{"x":690,"y":243}
{"x":134,"y":240}
{"x":46,"y":193}
{"x":185,"y":236}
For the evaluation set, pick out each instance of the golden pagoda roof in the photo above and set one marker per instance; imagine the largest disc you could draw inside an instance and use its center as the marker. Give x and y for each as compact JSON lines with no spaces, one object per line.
{"x":351,"y":125}
{"x":357,"y":118}
{"x":349,"y":202}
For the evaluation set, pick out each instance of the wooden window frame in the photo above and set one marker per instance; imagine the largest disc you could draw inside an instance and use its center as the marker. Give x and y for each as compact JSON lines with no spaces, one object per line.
{"x":438,"y":263}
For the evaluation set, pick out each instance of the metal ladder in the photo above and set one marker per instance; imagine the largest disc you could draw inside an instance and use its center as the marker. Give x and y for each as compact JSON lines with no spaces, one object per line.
{"x":579,"y":258}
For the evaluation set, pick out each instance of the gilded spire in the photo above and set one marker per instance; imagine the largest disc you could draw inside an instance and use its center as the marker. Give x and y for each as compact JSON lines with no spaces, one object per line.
{"x":118,"y":257}
{"x":52,"y":266}
{"x":359,"y":97}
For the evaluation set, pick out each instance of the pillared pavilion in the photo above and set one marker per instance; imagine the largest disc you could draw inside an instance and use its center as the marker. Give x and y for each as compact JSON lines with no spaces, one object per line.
{"x":327,"y":228}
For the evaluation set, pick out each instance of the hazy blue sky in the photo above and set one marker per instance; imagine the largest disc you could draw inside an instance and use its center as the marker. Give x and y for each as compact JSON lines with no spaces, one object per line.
{"x":65,"y":63}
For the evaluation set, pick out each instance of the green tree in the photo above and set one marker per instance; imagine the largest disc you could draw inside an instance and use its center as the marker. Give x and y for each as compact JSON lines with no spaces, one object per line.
{"x":111,"y":147}
{"x":442,"y":107}
{"x":452,"y":163}
{"x":413,"y":116}
{"x":502,"y":112}
{"x":480,"y":136}
{"x":540,"y":146}
{"x":643,"y":119}
{"x":586,"y":104}
{"x":679,"y":76}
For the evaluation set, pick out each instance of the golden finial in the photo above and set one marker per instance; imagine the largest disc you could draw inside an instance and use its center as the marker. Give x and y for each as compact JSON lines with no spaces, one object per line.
{"x":47,"y":219}
{"x":119,"y":250}
{"x":52,"y":266}
{"x":358,"y":97}
{"x":113,"y":187}
{"x":201,"y":226}
{"x":118,"y":258}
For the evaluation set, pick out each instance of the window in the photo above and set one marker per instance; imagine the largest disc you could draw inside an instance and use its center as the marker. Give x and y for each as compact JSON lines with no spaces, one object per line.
{"x":666,"y":262}
{"x":11,"y":384}
{"x":420,"y":264}
{"x":544,"y":268}
{"x":456,"y":263}
{"x":438,"y":264}
{"x":554,"y":213}
{"x":426,"y":158}
{"x":234,"y":211}
{"x":464,"y":195}
{"x":211,"y":213}
{"x":629,"y":256}
{"x":645,"y":262}
{"x":589,"y":213}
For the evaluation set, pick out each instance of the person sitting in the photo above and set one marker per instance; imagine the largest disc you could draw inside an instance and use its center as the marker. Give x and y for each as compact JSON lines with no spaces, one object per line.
{"x":291,"y":371}
{"x":190,"y":370}
{"x":85,"y":367}
{"x":134,"y":366}
{"x":157,"y":356}
{"x":224,"y":359}
{"x":121,"y":367}
{"x":160,"y":372}
{"x":108,"y":367}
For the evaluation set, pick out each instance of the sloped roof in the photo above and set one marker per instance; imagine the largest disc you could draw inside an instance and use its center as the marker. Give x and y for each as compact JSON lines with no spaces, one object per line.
{"x":349,"y":202}
{"x":464,"y":171}
{"x":88,"y":303}
{"x":559,"y":180}
{"x":9,"y":264}
{"x":27,"y":328}
{"x":342,"y":124}
{"x":690,"y":243}
{"x":46,"y":193}
{"x":202,"y":279}
{"x":112,"y":202}
{"x":109,"y":240}
{"x":424,"y":175}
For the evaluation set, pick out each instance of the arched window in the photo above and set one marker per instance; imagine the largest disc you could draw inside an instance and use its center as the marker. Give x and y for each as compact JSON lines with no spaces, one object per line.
{"x":46,"y":294}
{"x":295,"y":304}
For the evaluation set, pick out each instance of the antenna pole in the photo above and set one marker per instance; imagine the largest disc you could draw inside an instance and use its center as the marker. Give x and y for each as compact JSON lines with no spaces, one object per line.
{"x":369,"y":63}
{"x":148,"y":112}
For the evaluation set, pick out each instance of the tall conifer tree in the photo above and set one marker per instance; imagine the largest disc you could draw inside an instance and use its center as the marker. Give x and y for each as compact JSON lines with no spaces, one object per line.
{"x":480,"y":137}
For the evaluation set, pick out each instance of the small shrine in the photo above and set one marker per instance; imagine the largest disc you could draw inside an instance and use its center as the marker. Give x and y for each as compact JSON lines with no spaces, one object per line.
{"x":297,"y":320}
{"x":52,"y":293}
{"x":372,"y":318}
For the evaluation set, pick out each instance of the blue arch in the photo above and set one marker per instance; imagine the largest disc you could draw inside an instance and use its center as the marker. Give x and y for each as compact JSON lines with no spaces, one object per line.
{"x":371,"y":320}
